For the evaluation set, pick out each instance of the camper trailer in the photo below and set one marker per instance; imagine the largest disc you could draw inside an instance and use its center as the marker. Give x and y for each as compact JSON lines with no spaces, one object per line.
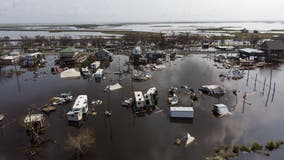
{"x":79,"y":108}
{"x":139,"y":99}
{"x":151,"y":97}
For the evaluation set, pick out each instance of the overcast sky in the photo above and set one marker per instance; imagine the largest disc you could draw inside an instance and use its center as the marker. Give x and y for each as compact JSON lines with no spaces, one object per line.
{"x":94,"y":11}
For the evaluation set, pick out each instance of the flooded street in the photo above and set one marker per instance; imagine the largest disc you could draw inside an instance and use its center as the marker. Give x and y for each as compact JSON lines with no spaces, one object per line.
{"x":152,"y":137}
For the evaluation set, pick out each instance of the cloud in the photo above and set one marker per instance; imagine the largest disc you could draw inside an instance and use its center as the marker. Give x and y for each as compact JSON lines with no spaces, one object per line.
{"x":138,"y":10}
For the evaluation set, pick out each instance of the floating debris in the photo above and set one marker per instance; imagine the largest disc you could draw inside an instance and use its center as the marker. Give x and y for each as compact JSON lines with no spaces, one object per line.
{"x":96,"y":102}
{"x":127,"y":103}
{"x":108,"y":113}
{"x":2,"y":116}
{"x":113,"y":87}
{"x":189,"y":139}
{"x":48,"y":109}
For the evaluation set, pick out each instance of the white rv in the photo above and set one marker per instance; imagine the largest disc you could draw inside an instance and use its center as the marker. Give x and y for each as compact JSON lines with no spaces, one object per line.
{"x":79,"y":108}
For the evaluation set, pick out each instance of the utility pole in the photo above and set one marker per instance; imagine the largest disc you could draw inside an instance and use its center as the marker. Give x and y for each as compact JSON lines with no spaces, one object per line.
{"x":269,"y":88}
{"x":244,"y":101}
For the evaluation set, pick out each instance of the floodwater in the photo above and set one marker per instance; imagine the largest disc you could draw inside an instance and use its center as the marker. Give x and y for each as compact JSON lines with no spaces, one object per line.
{"x":152,"y":137}
{"x":169,"y":28}
{"x":74,"y":35}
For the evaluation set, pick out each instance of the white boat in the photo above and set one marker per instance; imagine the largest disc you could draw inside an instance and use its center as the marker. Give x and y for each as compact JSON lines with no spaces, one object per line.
{"x":79,"y":108}
{"x":221,"y":110}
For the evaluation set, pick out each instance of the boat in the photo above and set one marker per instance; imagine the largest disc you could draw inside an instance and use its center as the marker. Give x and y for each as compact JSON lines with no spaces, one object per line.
{"x":220,"y":110}
{"x":79,"y":109}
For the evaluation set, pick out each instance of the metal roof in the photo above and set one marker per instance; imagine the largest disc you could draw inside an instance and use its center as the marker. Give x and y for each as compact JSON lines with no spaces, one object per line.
{"x":250,"y":50}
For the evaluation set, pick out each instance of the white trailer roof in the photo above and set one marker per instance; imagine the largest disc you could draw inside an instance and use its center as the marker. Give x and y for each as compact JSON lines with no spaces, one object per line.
{"x":139,"y":96}
{"x":79,"y":103}
{"x":181,"y":109}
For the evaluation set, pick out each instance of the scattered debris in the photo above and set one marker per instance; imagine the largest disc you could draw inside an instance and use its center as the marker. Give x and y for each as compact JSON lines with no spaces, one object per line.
{"x":172,"y":97}
{"x":188,"y":139}
{"x":61,"y":99}
{"x":96,"y":102}
{"x":127,"y":103}
{"x":2,"y":116}
{"x":108,"y":113}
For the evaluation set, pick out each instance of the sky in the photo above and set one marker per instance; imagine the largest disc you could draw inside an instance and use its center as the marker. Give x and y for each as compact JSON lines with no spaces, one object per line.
{"x":104,"y":11}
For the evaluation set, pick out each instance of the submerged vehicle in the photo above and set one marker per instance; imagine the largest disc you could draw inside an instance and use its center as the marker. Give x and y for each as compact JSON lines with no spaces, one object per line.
{"x":79,"y":109}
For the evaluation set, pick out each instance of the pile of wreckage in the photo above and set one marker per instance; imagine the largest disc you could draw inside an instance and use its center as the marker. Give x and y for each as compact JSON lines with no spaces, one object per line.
{"x":219,"y":110}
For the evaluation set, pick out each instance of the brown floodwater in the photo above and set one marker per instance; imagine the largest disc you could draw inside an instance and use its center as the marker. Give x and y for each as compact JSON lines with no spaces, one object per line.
{"x":151,"y":137}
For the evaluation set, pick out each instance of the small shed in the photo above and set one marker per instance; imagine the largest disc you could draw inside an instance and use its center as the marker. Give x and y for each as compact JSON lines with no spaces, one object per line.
{"x":104,"y":55}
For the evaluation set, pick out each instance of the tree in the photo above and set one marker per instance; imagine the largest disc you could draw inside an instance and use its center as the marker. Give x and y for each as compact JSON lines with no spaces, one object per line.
{"x":80,"y":143}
